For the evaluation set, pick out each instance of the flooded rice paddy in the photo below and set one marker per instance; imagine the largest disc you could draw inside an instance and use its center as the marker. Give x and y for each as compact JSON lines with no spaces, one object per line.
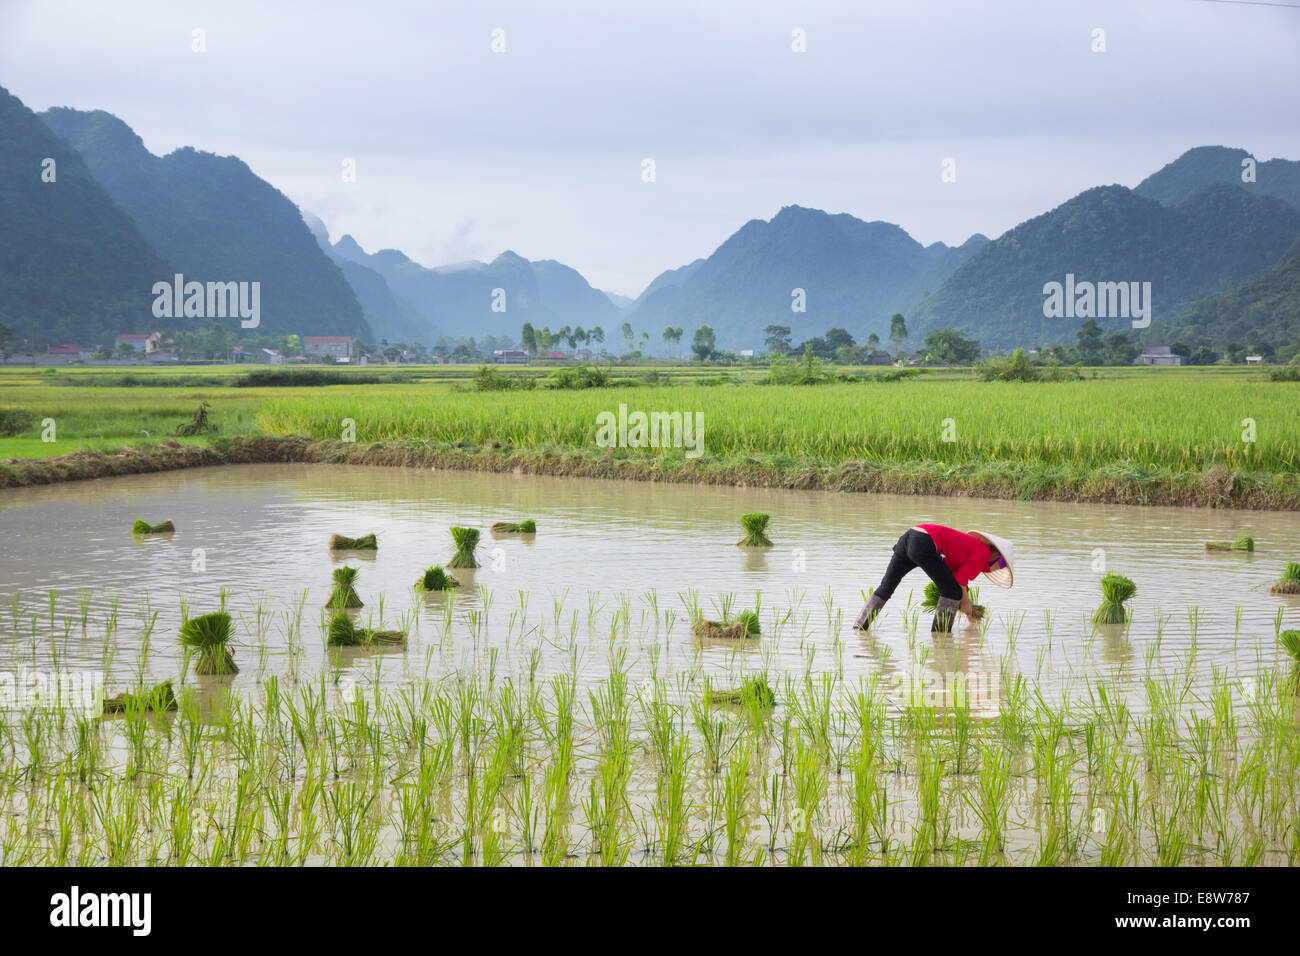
{"x":555,"y":707}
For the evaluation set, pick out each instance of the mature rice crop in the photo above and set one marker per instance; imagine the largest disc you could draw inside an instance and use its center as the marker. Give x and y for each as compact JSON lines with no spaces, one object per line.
{"x":1138,"y":424}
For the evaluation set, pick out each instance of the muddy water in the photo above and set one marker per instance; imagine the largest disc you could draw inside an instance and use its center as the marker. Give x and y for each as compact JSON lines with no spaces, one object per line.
{"x":615,"y":555}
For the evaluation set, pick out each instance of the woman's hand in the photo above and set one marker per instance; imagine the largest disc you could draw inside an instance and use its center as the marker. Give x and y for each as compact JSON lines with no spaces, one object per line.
{"x":966,"y":607}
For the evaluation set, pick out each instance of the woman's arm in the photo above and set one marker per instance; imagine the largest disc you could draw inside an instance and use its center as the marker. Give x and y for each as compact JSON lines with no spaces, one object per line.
{"x":967,"y":607}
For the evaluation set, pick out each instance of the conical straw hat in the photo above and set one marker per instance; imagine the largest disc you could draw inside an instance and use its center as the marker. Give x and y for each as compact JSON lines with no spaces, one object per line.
{"x":1002,"y":577}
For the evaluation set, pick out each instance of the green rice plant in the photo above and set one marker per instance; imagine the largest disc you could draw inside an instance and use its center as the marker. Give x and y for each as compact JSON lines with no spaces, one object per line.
{"x":208,"y":635}
{"x":367,"y":542}
{"x":527,"y":526}
{"x":1290,"y":641}
{"x":466,"y":540}
{"x":344,"y":594}
{"x":1289,"y":582}
{"x":342,"y":632}
{"x":1244,"y":542}
{"x":143,"y":527}
{"x":436,"y":579}
{"x":736,"y":795}
{"x":755,"y":525}
{"x":1115,"y":590}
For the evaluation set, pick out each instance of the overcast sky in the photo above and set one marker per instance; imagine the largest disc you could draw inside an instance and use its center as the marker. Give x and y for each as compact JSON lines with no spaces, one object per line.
{"x":462,"y":152}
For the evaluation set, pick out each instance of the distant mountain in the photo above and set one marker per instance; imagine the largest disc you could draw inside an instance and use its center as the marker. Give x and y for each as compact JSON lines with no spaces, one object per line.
{"x":674,"y":278}
{"x":1261,"y":311}
{"x":853,"y":274}
{"x":217,"y":221}
{"x":621,"y":302}
{"x":1205,"y":165}
{"x":389,"y":318}
{"x":463,"y":299}
{"x":1219,"y":236}
{"x":74,"y":267}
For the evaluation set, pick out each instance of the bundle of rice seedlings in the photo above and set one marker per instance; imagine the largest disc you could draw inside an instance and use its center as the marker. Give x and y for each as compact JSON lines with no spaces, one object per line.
{"x":755,"y":525}
{"x":143,"y":527}
{"x":344,"y":593}
{"x":1115,"y":590}
{"x":208,"y":634}
{"x":158,"y":699}
{"x":1244,"y":542}
{"x":344,"y":633}
{"x":527,"y":526}
{"x":931,"y":601}
{"x":466,"y":541}
{"x":367,"y":542}
{"x":1289,"y":583}
{"x":436,"y":579}
{"x":744,"y":625}
{"x":752,"y":690}
{"x":1290,"y":641}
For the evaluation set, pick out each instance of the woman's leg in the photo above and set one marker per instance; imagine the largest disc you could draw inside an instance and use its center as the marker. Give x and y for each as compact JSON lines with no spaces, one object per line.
{"x":927,"y":558}
{"x":899,"y":565}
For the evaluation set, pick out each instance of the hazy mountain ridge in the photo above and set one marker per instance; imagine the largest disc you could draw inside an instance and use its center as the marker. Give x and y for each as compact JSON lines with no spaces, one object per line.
{"x":854,"y":274}
{"x":74,"y":266}
{"x":216,"y":220}
{"x":1219,"y":236}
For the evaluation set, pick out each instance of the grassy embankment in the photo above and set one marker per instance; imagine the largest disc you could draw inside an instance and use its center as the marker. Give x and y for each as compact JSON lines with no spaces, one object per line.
{"x":1136,"y":435}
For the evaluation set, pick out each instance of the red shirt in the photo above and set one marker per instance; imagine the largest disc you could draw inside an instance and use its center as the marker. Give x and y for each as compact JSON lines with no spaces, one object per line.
{"x":965,"y":555}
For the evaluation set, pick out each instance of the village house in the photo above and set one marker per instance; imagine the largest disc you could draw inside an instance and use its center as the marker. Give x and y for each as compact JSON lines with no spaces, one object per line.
{"x":69,"y":353}
{"x":1157,"y":355}
{"x":880,"y":357}
{"x":509,"y":357}
{"x":338,"y":347}
{"x":143,"y":343}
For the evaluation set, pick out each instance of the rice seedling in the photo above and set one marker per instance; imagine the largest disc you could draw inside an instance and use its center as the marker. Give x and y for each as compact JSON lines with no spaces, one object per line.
{"x":744,"y":625}
{"x":1289,"y":582}
{"x":1115,"y":590}
{"x":342,"y":632}
{"x":1244,"y":542}
{"x":755,"y":525}
{"x":157,"y":699}
{"x":527,"y":526}
{"x":367,"y":542}
{"x":436,"y":579}
{"x":466,"y":540}
{"x":1290,"y":641}
{"x":143,"y":527}
{"x":752,"y":692}
{"x":208,"y":635}
{"x":344,"y":594}
{"x":931,"y":601}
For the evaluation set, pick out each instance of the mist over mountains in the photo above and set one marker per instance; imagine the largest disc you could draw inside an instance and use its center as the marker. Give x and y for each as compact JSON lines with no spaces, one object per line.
{"x":1213,"y":232}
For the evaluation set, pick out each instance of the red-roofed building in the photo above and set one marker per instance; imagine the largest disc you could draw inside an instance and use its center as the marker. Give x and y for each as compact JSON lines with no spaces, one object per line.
{"x":318,"y":346}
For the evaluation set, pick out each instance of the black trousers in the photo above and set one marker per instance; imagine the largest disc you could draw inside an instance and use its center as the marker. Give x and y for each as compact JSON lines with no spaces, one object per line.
{"x":915,"y":549}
